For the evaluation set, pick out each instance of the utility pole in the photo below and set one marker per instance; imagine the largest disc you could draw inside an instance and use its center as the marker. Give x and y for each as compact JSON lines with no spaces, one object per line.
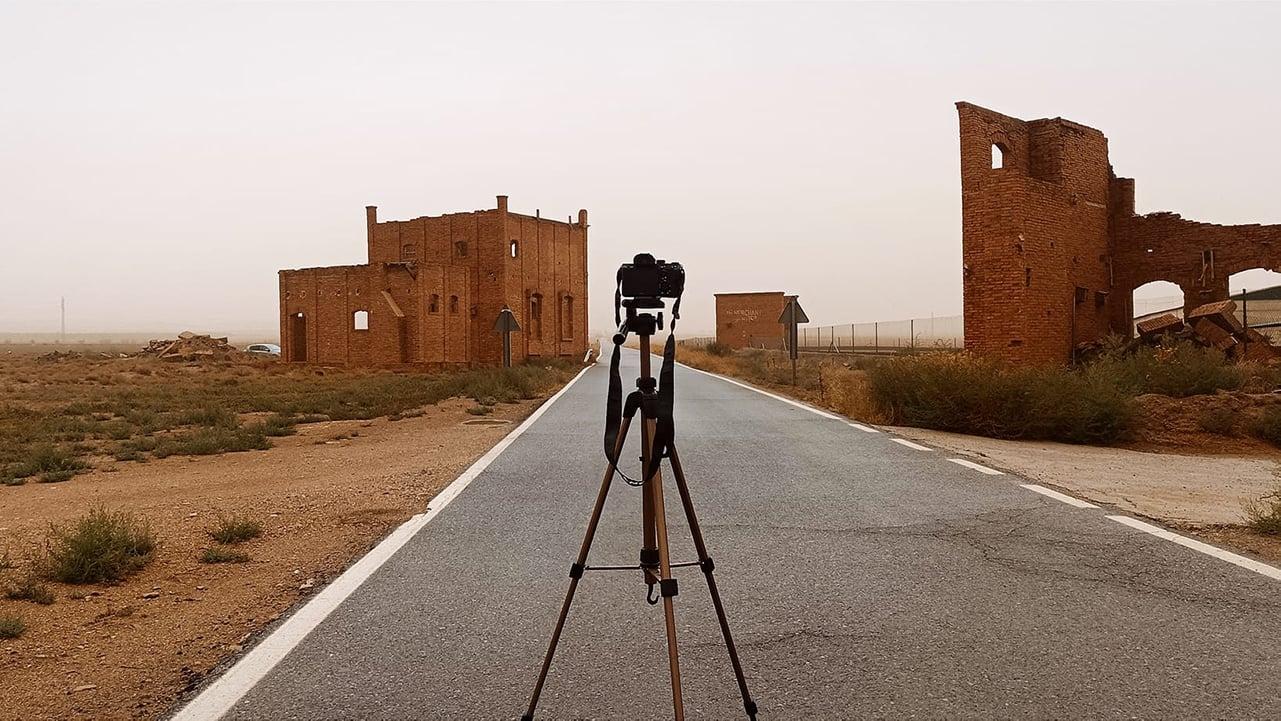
{"x":62,"y":333}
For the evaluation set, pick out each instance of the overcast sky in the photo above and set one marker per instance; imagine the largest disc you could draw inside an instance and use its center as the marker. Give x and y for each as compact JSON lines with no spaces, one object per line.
{"x":159,"y":163}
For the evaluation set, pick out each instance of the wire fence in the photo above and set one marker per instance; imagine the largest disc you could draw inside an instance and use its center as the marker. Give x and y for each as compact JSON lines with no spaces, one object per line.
{"x":935,"y":332}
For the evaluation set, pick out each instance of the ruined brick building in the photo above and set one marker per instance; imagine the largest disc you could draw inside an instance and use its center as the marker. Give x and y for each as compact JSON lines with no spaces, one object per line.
{"x":750,"y":320}
{"x":1053,"y":249}
{"x":433,"y":288}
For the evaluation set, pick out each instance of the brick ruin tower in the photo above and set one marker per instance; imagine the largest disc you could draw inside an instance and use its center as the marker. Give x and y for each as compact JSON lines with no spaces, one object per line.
{"x":1053,"y":249}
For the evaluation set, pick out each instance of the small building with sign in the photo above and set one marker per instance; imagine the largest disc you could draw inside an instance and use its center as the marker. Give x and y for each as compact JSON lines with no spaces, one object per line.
{"x":433,"y":290}
{"x":751,"y":320}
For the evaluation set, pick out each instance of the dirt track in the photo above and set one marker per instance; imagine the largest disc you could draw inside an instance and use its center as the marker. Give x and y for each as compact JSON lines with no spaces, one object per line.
{"x":116,"y":654}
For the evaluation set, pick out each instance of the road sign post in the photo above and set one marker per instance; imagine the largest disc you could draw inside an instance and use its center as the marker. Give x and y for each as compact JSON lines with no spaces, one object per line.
{"x":792,"y":316}
{"x":505,"y":324}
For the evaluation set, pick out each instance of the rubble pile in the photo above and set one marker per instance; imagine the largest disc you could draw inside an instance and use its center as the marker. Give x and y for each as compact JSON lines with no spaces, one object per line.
{"x":190,"y":346}
{"x":1214,"y":325}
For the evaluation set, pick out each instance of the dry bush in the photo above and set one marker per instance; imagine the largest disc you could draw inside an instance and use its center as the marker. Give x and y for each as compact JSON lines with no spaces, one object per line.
{"x":29,"y":588}
{"x":235,"y":529}
{"x":969,"y":394}
{"x":1263,"y":514}
{"x":101,"y":546}
{"x":1267,"y":425}
{"x":11,"y":626}
{"x":1219,"y":421}
{"x":222,"y":554}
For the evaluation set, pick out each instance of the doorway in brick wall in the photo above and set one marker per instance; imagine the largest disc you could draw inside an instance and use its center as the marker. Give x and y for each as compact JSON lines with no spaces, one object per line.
{"x":298,"y":338}
{"x":1156,"y":298}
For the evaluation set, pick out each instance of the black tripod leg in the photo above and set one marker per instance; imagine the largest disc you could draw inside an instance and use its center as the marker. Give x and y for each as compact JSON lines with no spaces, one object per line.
{"x":576,"y":571}
{"x":705,"y":562}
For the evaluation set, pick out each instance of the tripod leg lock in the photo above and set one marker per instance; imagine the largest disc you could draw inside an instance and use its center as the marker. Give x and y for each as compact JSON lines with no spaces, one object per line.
{"x":649,"y":558}
{"x":707,"y":565}
{"x":668,"y":587}
{"x":750,"y":707}
{"x":576,"y":570}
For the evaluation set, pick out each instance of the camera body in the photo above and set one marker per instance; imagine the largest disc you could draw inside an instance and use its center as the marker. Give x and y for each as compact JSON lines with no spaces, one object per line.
{"x":647,"y":278}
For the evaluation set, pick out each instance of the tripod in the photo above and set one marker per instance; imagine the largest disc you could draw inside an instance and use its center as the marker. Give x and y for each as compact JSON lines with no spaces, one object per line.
{"x":655,"y":563}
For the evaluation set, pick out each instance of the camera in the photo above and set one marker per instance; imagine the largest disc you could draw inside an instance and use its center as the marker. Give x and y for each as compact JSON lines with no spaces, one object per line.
{"x":647,"y":278}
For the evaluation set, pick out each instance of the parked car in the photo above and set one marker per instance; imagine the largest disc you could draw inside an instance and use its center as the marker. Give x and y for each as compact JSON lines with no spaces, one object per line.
{"x":265,"y":349}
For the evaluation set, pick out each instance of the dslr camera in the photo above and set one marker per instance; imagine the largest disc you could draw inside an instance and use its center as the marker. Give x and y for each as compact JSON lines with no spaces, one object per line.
{"x":647,"y":279}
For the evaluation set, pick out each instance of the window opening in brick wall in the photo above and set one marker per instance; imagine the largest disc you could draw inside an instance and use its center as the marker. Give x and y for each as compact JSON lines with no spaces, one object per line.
{"x":460,"y":248}
{"x":515,"y":249}
{"x":434,"y":305}
{"x":360,"y":320}
{"x":453,"y":304}
{"x":998,"y":155}
{"x":536,"y":315}
{"x":567,"y":318}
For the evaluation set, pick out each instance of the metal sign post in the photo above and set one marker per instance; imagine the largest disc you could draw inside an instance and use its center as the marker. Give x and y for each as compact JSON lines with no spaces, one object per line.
{"x":505,"y":324}
{"x":793,"y":315}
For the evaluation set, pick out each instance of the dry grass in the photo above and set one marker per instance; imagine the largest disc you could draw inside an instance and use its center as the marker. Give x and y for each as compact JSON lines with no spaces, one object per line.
{"x":223,"y":554}
{"x":11,"y":626}
{"x":61,"y":418}
{"x":235,"y":529}
{"x":100,"y":547}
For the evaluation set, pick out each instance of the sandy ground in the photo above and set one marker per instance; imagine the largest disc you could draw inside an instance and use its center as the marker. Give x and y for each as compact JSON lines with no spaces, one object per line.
{"x":1185,"y":490}
{"x":127,"y":651}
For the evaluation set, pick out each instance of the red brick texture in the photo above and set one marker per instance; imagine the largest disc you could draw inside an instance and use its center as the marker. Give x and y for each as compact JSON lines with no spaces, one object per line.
{"x":750,"y":320}
{"x":1052,"y":249}
{"x":433,"y":288}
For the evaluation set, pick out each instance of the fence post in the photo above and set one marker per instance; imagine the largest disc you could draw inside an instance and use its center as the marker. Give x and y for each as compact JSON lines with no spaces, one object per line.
{"x":911,"y":333}
{"x":876,"y":336}
{"x":1245,"y":321}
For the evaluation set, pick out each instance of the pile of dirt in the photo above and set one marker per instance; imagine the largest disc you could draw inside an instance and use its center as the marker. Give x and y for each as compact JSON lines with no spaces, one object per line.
{"x":190,"y":346}
{"x":1216,"y":424}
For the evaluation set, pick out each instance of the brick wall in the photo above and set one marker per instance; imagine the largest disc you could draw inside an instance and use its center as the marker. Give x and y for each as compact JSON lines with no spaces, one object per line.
{"x":750,"y":319}
{"x":433,"y":288}
{"x":1052,"y":249}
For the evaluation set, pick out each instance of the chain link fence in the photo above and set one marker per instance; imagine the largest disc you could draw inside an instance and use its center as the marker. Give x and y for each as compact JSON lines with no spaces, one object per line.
{"x":936,"y":332}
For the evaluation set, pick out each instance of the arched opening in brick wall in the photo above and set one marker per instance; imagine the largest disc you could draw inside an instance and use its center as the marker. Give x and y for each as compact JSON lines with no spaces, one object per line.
{"x":1257,"y":294}
{"x":1156,"y":298}
{"x":998,"y":155}
{"x":360,"y":320}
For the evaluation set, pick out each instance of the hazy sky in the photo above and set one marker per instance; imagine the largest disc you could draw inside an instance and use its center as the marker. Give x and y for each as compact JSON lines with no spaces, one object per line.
{"x":159,"y":163}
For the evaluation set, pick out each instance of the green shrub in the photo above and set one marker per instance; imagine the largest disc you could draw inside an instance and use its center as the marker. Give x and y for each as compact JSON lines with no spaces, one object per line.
{"x":211,"y":416}
{"x":1176,"y":369}
{"x":1267,"y":425}
{"x":11,"y":626}
{"x":1221,"y":421}
{"x":100,"y":546}
{"x":30,"y":588}
{"x":46,"y":458}
{"x":56,"y":476}
{"x":209,"y":441}
{"x":279,"y":424}
{"x":968,"y":394}
{"x":235,"y":529}
{"x":222,"y":554}
{"x":480,"y":410}
{"x":719,"y":349}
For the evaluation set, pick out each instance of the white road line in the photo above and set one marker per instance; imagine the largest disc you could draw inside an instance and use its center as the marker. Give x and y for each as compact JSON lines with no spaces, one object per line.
{"x":1247,"y":563}
{"x":220,"y":696}
{"x":1058,"y":496}
{"x":975,"y":466}
{"x":909,"y":444}
{"x":865,"y":429}
{"x":788,"y":401}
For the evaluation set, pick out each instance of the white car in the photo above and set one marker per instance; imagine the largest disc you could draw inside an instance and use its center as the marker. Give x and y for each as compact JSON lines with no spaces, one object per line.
{"x":266,"y":349}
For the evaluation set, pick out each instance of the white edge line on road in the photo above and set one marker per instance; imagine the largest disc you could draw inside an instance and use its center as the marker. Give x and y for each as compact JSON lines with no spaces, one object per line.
{"x":788,"y":401}
{"x":975,"y":466}
{"x":865,"y":429}
{"x":1246,"y":563}
{"x":220,"y":696}
{"x":1058,"y":496}
{"x":909,"y":444}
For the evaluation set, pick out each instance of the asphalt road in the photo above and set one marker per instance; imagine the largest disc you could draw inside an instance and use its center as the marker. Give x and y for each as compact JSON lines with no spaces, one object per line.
{"x":863,"y":578}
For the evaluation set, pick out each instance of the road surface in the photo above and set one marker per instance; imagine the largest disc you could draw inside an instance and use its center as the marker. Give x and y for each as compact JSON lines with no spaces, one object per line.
{"x":864,"y":578}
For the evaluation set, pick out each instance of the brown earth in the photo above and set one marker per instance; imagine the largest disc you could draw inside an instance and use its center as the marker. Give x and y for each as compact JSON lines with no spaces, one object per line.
{"x":323,"y":496}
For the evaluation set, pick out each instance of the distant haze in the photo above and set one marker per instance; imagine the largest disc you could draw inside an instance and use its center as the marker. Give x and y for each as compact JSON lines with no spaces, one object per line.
{"x":159,"y":163}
